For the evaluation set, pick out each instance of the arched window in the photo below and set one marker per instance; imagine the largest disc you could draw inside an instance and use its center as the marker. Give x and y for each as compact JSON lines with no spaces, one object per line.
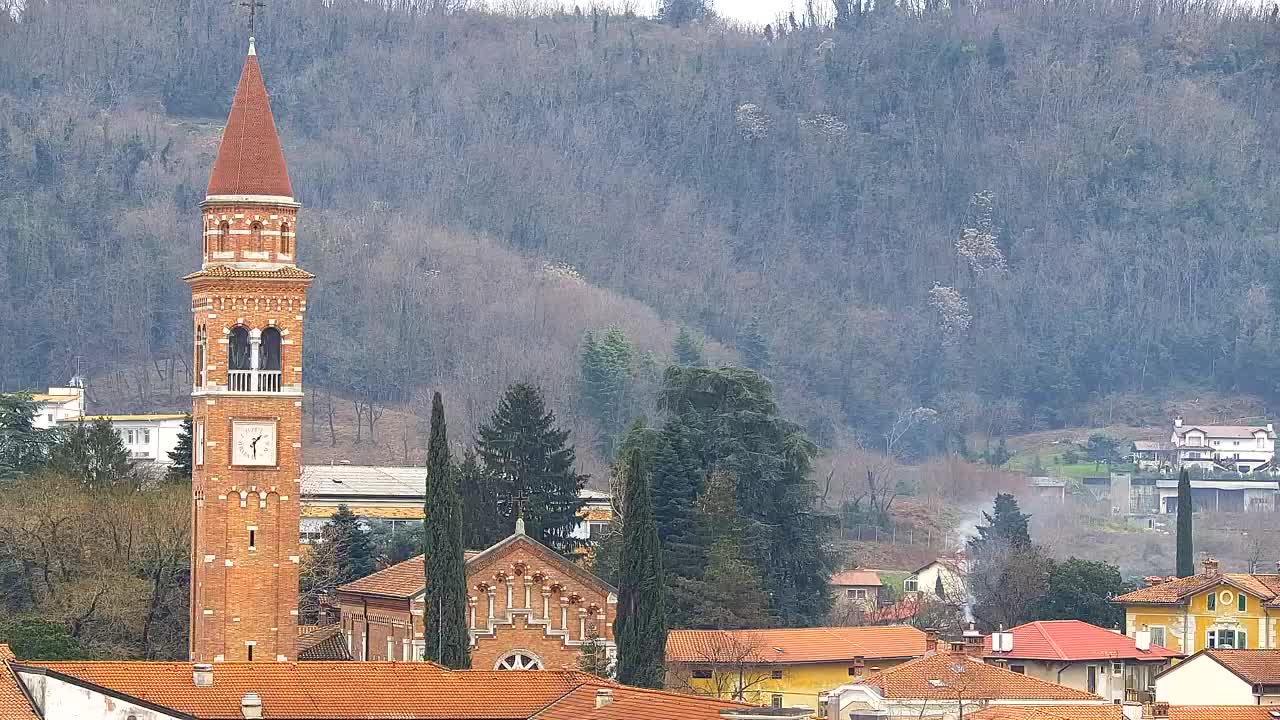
{"x":202,"y":359}
{"x":519,"y":660}
{"x":224,"y":236}
{"x":256,"y":230}
{"x":286,"y":242}
{"x":238,"y":352}
{"x":270,"y":357}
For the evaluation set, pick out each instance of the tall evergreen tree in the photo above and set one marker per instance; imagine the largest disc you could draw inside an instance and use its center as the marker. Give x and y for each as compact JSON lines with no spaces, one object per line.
{"x":606,"y":373}
{"x":95,"y":454}
{"x":23,"y":448}
{"x":353,"y":549}
{"x":686,"y":350}
{"x":482,"y":521}
{"x":528,"y":457}
{"x":1005,"y":522}
{"x":1186,"y":562}
{"x":754,"y":346}
{"x":180,"y":457}
{"x":731,"y":594}
{"x":445,"y":611}
{"x":639,"y":628}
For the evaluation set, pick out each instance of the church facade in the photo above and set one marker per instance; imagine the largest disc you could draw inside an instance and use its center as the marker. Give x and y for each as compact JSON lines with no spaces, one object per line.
{"x":528,"y":609}
{"x":248,"y":300}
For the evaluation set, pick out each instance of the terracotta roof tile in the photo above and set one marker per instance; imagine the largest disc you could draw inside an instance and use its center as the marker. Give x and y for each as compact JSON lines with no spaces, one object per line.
{"x":979,"y":681}
{"x":796,"y":645}
{"x":226,"y":271}
{"x":1073,"y":640}
{"x":1177,"y":591}
{"x":250,"y":160}
{"x":1256,"y":667}
{"x":635,"y":704}
{"x":14,"y":704}
{"x":1221,"y":712}
{"x":856,"y":577}
{"x":402,"y":580}
{"x":1049,"y":712}
{"x":323,"y":643}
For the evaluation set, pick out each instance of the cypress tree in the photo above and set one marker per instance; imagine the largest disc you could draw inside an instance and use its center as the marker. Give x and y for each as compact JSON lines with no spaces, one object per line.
{"x":938,"y":589}
{"x":445,"y":611}
{"x":1186,"y":563}
{"x":180,"y":456}
{"x":526,"y":455}
{"x":639,"y":629}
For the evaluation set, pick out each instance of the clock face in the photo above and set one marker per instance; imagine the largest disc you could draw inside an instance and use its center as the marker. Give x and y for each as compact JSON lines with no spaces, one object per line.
{"x":253,"y":442}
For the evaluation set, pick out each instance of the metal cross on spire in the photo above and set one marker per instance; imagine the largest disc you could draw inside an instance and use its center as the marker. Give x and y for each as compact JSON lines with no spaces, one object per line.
{"x":253,"y":6}
{"x":518,"y":501}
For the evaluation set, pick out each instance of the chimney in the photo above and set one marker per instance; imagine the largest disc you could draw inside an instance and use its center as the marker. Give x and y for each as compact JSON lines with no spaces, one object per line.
{"x":1177,"y":421}
{"x":1210,"y":566}
{"x":251,"y":706}
{"x":202,"y":675}
{"x":1160,"y":711}
{"x":1153,"y":580}
{"x":931,"y":637}
{"x":1142,"y":640}
{"x":604,"y":696}
{"x":972,"y":641}
{"x":1131,"y":710}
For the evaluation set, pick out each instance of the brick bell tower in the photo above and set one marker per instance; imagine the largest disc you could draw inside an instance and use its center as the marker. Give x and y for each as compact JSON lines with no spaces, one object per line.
{"x":247,"y":302}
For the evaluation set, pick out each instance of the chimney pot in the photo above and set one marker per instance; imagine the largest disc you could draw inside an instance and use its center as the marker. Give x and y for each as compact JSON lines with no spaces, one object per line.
{"x":1210,"y":566}
{"x":1177,"y":421}
{"x":1153,"y":580}
{"x":202,"y":674}
{"x":604,"y":696}
{"x":251,"y":706}
{"x":931,"y":636}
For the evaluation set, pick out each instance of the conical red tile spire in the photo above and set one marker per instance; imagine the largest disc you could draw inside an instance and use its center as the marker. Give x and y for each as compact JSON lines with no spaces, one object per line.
{"x":250,"y":160}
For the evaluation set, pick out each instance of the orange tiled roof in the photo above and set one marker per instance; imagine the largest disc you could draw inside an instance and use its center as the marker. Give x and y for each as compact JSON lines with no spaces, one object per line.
{"x":1221,"y":712}
{"x":250,"y":160}
{"x":635,"y":704}
{"x":14,"y":704}
{"x":952,"y":672}
{"x":226,"y":271}
{"x":795,"y":645}
{"x":1072,"y":640}
{"x":1256,"y":667}
{"x":1049,"y":712}
{"x":357,"y":691}
{"x":1176,"y":592}
{"x":323,"y":643}
{"x":402,"y":580}
{"x":864,"y":578}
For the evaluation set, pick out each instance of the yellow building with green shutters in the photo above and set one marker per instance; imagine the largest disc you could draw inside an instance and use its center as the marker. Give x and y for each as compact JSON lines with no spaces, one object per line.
{"x":790,"y":667}
{"x":1209,"y":610}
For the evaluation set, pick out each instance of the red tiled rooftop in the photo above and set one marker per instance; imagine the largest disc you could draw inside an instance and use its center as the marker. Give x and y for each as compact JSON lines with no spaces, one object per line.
{"x":937,"y":677}
{"x":1221,"y":712}
{"x":795,"y":645}
{"x":1256,"y":667}
{"x":865,"y":578}
{"x":1073,"y":640}
{"x":402,"y":580}
{"x":13,"y":701}
{"x":1049,"y":712}
{"x":250,"y":160}
{"x":635,"y":704}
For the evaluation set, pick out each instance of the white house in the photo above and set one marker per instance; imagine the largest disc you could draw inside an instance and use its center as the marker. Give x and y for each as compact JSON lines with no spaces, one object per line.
{"x":1222,"y":677}
{"x":147,"y":438}
{"x":924,"y":580}
{"x":1243,"y":448}
{"x":60,"y":403}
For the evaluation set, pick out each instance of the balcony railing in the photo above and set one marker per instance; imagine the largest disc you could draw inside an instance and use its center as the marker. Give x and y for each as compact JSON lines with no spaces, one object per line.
{"x":267,"y":381}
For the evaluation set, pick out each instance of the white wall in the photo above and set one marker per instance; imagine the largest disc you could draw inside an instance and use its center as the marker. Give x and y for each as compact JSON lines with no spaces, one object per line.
{"x":60,"y":700}
{"x":1202,"y":681}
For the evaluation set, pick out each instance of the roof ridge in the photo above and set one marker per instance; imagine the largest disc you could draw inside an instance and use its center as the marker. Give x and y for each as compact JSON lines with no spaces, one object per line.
{"x":1049,"y":639}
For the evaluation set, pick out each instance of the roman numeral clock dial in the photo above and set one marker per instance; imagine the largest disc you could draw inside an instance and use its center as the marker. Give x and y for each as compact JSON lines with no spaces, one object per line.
{"x":253,"y":443}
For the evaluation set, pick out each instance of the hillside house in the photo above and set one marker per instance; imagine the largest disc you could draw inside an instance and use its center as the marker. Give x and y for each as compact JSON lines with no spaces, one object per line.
{"x":1242,"y":448}
{"x":860,"y":587}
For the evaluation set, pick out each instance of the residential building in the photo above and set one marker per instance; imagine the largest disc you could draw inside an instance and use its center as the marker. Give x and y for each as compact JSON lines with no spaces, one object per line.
{"x":1154,"y":455}
{"x":1223,"y":677}
{"x":1209,"y":610}
{"x":784,"y":667}
{"x":861,"y":587}
{"x":147,"y":438}
{"x":945,"y":572}
{"x":947,"y":686}
{"x":329,"y":691}
{"x":57,"y":405}
{"x":1082,"y":656}
{"x":1241,"y":448}
{"x":394,"y":494}
{"x":529,"y":608}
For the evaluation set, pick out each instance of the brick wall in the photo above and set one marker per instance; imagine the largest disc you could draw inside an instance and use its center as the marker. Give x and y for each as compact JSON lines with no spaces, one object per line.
{"x":250,"y":233}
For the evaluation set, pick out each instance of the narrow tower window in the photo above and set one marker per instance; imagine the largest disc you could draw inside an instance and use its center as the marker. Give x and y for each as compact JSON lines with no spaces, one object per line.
{"x":256,"y":230}
{"x":286,"y":244}
{"x":224,"y":235}
{"x":253,"y":536}
{"x":238,"y":348}
{"x":202,"y":361}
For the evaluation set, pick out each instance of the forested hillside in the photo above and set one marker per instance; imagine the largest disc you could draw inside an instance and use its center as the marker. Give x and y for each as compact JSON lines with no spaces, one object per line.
{"x":1003,"y":212}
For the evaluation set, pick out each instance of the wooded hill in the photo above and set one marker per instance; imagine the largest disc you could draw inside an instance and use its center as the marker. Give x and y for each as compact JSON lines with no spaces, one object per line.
{"x":1003,"y":212}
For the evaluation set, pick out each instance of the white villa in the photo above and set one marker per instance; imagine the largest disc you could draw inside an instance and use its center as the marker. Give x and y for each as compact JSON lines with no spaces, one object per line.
{"x":148,"y":438}
{"x":1242,"y":448}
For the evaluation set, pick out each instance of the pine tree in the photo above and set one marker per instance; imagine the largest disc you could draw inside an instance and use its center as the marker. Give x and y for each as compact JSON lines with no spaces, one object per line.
{"x":527,"y":456}
{"x":1006,"y":522}
{"x":1186,"y":564}
{"x":639,"y":628}
{"x":482,"y":521}
{"x":180,"y":456}
{"x":606,"y":372}
{"x":23,"y":448}
{"x":686,"y":350}
{"x":754,"y":346}
{"x":677,"y":480}
{"x":445,"y":603}
{"x":732,"y":596}
{"x":94,"y":454}
{"x":353,"y":549}
{"x":997,"y":55}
